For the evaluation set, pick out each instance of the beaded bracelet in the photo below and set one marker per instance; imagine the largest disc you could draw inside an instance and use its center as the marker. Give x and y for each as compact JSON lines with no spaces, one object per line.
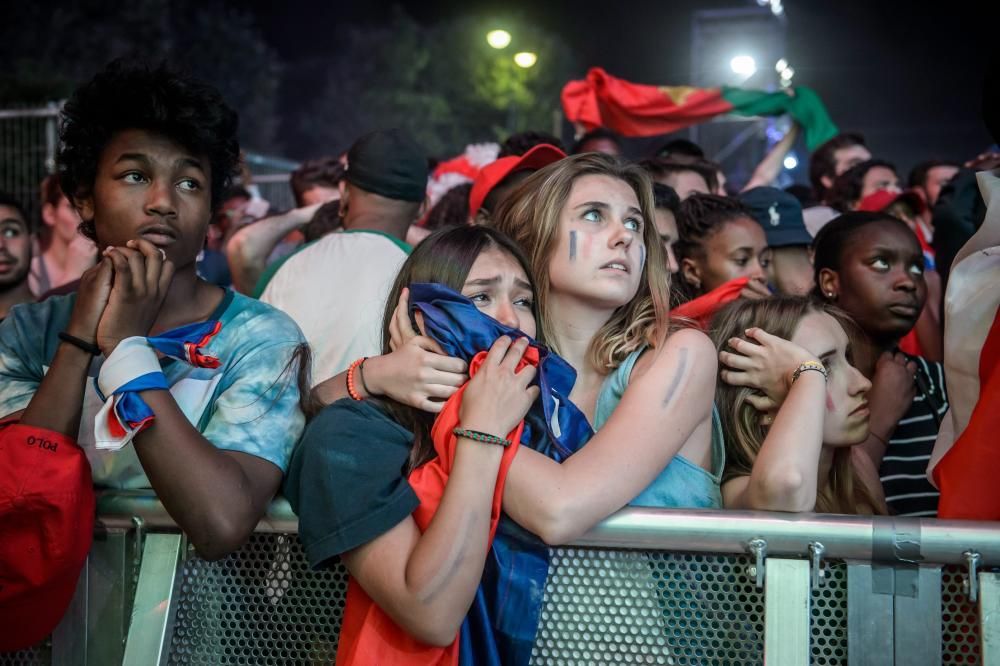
{"x":811,"y":365}
{"x":483,"y":437}
{"x":351,"y":390}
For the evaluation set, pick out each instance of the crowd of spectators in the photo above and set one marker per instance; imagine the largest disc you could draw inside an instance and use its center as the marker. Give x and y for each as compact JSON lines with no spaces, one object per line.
{"x":637,"y":331}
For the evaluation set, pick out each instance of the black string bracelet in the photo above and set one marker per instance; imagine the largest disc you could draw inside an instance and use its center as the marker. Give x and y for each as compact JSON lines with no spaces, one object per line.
{"x":361,"y":376}
{"x":88,"y":347}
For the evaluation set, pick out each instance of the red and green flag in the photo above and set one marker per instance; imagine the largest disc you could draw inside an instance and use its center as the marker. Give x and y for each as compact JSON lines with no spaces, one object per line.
{"x":634,"y":109}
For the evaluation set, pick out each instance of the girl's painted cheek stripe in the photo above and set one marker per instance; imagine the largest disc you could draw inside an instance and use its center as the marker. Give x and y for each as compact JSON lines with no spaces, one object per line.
{"x":572,"y":246}
{"x":642,"y":257}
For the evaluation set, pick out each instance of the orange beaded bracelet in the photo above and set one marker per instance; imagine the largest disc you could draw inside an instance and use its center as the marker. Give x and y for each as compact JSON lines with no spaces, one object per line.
{"x":351,"y":390}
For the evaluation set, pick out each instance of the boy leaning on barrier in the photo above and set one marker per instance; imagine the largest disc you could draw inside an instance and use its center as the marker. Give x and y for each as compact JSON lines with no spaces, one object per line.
{"x":164,"y":380}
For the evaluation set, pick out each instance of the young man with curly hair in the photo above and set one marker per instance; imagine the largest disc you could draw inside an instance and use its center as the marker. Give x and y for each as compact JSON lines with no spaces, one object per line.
{"x":166,"y":381}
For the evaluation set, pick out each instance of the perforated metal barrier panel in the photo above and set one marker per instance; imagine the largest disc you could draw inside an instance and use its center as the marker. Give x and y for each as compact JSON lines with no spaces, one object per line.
{"x":264,"y":606}
{"x":602,"y":607}
{"x":959,"y":620}
{"x":261,"y":606}
{"x":630,"y":607}
{"x":828,"y":626}
{"x":40,"y":655}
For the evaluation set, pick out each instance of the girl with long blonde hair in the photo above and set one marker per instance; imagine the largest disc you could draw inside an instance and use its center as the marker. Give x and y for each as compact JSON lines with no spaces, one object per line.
{"x":586,"y":224}
{"x":793,"y":408}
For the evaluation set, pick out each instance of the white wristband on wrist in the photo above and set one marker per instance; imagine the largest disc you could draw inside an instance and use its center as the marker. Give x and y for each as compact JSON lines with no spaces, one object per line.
{"x":131,"y":359}
{"x":124,"y":413}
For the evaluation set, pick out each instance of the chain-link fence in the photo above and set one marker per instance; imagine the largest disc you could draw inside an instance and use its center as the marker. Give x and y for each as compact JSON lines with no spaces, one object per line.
{"x":29,"y":138}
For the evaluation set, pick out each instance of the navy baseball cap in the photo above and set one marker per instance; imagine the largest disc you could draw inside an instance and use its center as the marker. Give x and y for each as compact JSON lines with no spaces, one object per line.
{"x":779,"y":213}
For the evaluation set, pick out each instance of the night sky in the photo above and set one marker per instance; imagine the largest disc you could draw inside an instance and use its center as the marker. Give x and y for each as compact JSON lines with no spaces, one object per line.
{"x":908,"y":75}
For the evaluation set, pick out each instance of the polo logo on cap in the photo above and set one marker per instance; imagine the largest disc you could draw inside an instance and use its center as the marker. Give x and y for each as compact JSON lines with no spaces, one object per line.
{"x":772,"y":212}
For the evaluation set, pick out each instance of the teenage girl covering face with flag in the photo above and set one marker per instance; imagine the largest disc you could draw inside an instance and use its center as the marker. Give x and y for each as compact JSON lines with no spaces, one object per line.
{"x":409,"y":509}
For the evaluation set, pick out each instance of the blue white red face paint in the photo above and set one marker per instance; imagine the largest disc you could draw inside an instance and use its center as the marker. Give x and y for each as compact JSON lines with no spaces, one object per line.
{"x":572,"y":245}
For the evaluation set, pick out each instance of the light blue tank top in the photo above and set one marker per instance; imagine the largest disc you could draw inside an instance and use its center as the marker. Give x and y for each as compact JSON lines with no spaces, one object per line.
{"x":682,"y":483}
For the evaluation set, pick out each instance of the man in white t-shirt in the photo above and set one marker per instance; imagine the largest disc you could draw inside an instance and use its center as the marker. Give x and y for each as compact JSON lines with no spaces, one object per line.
{"x":335,"y":288}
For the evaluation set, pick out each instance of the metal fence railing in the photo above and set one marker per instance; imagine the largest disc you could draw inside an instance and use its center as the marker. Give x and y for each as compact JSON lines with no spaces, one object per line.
{"x":28,"y":140}
{"x":644,"y":587}
{"x":270,"y":175}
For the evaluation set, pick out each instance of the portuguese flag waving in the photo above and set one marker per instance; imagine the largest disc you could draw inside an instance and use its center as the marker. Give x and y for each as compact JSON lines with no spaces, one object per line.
{"x":633,"y":109}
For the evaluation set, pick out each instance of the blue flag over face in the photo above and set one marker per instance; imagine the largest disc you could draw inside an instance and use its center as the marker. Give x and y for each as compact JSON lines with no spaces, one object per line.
{"x":501,"y":625}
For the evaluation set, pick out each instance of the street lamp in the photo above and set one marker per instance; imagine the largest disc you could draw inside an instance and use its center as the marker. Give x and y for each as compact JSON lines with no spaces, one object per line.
{"x":525,"y":59}
{"x":498,"y":39}
{"x":743,"y":65}
{"x":785,"y":72}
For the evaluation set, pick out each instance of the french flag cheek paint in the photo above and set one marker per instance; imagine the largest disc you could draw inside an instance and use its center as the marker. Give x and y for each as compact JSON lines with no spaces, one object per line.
{"x":642,"y":257}
{"x":572,"y":246}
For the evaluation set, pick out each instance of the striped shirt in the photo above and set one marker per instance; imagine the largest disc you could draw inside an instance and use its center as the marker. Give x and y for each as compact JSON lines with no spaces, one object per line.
{"x":904,"y":467}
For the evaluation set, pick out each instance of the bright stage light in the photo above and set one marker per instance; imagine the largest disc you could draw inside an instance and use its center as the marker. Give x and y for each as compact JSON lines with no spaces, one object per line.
{"x":791,"y":162}
{"x":781,"y":66}
{"x":498,"y":39}
{"x":744,"y":65}
{"x":525,"y":59}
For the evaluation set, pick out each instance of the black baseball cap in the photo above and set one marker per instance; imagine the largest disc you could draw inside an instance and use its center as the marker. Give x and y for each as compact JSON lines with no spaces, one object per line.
{"x":389,"y":163}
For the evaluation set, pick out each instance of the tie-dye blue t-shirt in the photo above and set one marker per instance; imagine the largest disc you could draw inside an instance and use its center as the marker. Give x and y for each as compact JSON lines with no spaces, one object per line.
{"x":250,"y":403}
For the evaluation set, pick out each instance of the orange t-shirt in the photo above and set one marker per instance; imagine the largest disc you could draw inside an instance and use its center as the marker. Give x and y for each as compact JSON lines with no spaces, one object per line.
{"x":368,"y":635}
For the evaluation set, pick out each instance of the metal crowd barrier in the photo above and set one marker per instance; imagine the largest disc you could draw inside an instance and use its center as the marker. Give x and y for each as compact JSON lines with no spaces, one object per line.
{"x":646,"y":586}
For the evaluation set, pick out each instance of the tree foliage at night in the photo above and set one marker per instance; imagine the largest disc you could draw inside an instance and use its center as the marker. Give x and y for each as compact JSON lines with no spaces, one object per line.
{"x":442,"y":83}
{"x":57,"y":46}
